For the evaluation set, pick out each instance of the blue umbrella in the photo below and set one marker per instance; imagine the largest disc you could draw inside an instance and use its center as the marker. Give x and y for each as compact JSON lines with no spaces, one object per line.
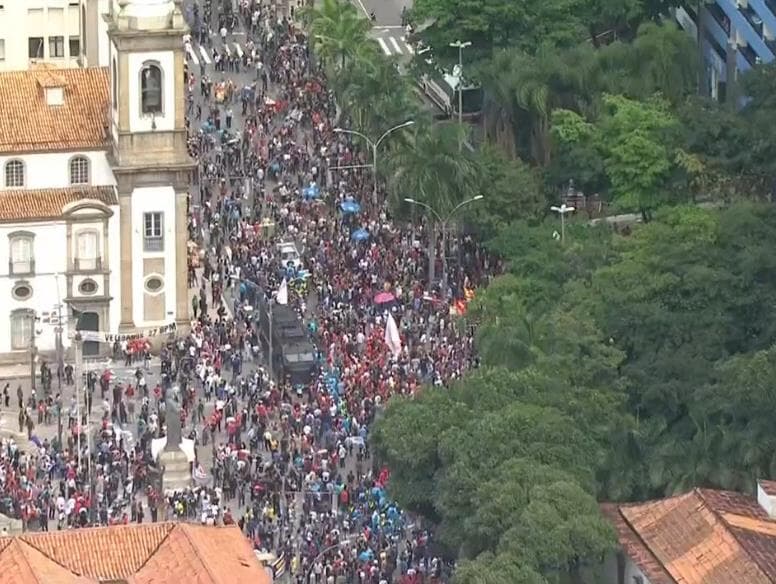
{"x":311,"y":192}
{"x":359,"y":234}
{"x":350,"y":206}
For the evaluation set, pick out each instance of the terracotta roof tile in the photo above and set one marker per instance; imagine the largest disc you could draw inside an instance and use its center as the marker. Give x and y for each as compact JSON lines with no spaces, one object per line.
{"x":196,"y":554}
{"x":634,"y":548}
{"x":29,"y":124}
{"x":104,"y":554}
{"x":31,"y":204}
{"x":701,"y":537}
{"x":157,"y":553}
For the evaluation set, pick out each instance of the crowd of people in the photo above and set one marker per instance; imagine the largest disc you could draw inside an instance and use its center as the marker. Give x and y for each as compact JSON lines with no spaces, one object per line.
{"x":289,"y":463}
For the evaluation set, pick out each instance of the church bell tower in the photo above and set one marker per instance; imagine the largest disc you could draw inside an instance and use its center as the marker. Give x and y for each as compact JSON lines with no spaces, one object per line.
{"x":150,"y":159}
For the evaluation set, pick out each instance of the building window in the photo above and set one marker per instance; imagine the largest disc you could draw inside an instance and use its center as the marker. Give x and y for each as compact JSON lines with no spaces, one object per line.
{"x":79,"y":170}
{"x":151,"y":89}
{"x":2,"y":49}
{"x":115,"y":83}
{"x":21,"y":259}
{"x":75,"y":46}
{"x":88,"y":250}
{"x":35,"y":47}
{"x":22,"y":324}
{"x":14,"y":174}
{"x":87,"y":287}
{"x":154,"y":284}
{"x":153,"y":234}
{"x":56,"y":47}
{"x":22,"y":291}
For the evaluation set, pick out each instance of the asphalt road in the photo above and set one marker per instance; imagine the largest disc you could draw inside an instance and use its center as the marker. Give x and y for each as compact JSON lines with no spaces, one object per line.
{"x":388,"y":12}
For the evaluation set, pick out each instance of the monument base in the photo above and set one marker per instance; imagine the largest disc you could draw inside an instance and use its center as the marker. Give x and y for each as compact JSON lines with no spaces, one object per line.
{"x":177,"y":472}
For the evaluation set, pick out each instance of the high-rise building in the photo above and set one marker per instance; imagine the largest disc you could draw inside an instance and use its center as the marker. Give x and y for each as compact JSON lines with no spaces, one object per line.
{"x":734,"y":36}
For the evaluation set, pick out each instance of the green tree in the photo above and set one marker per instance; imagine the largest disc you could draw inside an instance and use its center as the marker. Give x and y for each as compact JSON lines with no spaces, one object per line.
{"x":337,"y":30}
{"x":639,"y":143}
{"x":430,"y":167}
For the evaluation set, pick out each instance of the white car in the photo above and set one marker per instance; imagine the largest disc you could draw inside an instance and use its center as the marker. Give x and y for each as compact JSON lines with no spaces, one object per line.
{"x":289,"y":255}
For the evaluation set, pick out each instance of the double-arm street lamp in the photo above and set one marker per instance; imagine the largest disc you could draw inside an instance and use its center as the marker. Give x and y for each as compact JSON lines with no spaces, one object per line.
{"x":460,"y":45}
{"x":374,"y":145}
{"x":443,"y":221}
{"x":562,"y":211}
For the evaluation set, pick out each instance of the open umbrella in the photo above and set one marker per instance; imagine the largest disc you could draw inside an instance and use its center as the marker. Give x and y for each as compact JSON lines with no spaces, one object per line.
{"x":350,"y":206}
{"x":359,"y":234}
{"x":384,"y":297}
{"x":311,"y":192}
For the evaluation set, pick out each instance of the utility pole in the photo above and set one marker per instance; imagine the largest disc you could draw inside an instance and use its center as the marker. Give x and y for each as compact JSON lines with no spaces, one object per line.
{"x":460,"y":46}
{"x":33,"y":350}
{"x":78,"y":350}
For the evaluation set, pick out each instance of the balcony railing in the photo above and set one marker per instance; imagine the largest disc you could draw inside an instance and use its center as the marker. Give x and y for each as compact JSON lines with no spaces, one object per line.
{"x":21,"y":268}
{"x":153,"y":243}
{"x":753,"y":19}
{"x":87,"y":264}
{"x":719,"y":16}
{"x":749,"y":54}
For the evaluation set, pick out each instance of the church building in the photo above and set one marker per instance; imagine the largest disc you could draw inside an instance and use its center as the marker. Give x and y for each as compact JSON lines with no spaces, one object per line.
{"x":94,"y":180}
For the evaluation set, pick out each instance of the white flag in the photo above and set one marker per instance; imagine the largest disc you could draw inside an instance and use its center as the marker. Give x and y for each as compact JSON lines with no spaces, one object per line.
{"x":392,"y":338}
{"x":282,"y":296}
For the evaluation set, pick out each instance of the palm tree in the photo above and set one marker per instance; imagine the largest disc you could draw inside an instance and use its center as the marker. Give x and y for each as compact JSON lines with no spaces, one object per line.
{"x":527,"y":88}
{"x":431,"y":169}
{"x":338,"y":31}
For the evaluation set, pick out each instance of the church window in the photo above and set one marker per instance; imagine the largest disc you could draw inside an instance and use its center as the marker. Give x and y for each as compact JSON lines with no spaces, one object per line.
{"x":151,"y":89}
{"x":14,"y":173}
{"x":79,"y":171}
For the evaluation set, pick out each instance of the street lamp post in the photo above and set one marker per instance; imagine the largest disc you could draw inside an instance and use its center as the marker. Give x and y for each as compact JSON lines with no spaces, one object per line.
{"x":460,"y":46}
{"x":443,"y":221}
{"x":562,"y":210}
{"x":374,"y":144}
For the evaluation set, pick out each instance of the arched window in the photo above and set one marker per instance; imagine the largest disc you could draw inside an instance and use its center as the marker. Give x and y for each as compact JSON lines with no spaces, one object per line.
{"x":88,"y":250}
{"x":22,"y":325}
{"x":114,"y":72}
{"x":79,"y":170}
{"x":21,"y":259}
{"x":14,"y":173}
{"x":151,"y":89}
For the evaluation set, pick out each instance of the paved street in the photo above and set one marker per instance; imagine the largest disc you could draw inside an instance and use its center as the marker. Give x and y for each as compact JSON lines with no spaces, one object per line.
{"x":393,"y":41}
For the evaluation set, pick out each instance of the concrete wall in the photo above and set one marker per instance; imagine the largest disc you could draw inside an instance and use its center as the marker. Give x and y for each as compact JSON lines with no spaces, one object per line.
{"x":145,"y":310}
{"x":22,"y":19}
{"x":52,"y":170}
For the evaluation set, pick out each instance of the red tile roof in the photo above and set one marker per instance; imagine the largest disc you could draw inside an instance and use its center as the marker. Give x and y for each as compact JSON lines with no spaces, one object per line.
{"x":159,"y":553}
{"x":701,"y":537}
{"x":33,"y":204}
{"x":29,"y":124}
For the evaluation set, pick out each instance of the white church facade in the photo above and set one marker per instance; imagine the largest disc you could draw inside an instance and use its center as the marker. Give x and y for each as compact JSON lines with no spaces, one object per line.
{"x":94,"y":180}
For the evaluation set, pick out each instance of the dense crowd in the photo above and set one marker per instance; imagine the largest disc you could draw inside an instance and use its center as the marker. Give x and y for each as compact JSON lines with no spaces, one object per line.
{"x":289,"y":464}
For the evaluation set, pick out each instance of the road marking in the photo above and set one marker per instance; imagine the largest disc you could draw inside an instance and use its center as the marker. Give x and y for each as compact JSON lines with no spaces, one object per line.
{"x":395,"y":44}
{"x":239,"y":50}
{"x":363,"y":8}
{"x":386,"y":27}
{"x":192,"y":55}
{"x":384,"y":46}
{"x":409,"y":48}
{"x":205,"y":56}
{"x":226,"y":48}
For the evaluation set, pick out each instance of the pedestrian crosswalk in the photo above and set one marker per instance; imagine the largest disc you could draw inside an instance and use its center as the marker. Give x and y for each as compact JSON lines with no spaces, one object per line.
{"x":197,"y":54}
{"x":391,"y":45}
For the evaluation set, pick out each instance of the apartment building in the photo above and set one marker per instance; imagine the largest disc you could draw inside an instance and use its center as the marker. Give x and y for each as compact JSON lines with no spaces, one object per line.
{"x":735,"y":35}
{"x":35,"y":31}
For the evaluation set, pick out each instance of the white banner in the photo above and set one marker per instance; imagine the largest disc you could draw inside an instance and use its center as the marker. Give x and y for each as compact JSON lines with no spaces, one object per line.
{"x":107,"y":337}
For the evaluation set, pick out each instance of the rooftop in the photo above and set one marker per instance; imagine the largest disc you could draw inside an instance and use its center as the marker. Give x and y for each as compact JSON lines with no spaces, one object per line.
{"x":33,"y":204}
{"x":158,"y":553}
{"x":701,"y":537}
{"x":28,"y":123}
